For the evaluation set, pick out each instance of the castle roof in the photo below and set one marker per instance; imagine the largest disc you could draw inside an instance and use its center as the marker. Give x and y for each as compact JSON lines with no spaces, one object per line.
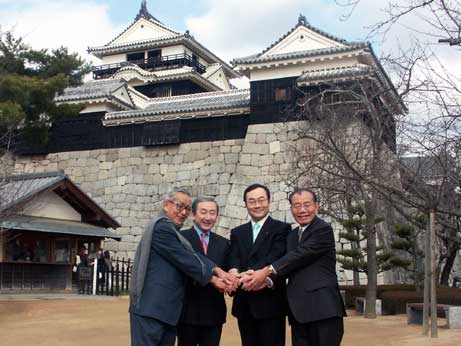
{"x":258,"y":58}
{"x":209,"y":104}
{"x":109,"y":89}
{"x":302,"y":41}
{"x":160,"y":36}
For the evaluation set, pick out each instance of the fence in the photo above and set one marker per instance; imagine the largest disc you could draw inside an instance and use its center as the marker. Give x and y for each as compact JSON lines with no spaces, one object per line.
{"x":106,"y":281}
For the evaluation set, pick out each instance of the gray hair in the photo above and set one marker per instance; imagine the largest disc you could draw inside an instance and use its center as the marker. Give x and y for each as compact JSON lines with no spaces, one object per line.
{"x":200,"y":199}
{"x":170,"y":195}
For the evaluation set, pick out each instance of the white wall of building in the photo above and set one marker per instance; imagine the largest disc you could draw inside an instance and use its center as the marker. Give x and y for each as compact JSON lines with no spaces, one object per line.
{"x":52,"y":206}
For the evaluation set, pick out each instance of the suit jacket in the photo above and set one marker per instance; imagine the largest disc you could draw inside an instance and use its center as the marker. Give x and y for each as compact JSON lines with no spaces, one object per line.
{"x":170,"y":263}
{"x":310,"y":265}
{"x":205,"y":306}
{"x":268,"y":247}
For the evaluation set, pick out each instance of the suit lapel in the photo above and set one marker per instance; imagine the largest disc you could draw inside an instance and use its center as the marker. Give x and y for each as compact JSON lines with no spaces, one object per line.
{"x":195,"y":241}
{"x":262,"y":235}
{"x":212,"y":247}
{"x":308,"y":230}
{"x":247,"y":237}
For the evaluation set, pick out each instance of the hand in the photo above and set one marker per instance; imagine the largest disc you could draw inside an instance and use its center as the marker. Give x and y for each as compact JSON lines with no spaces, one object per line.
{"x":219,"y":284}
{"x":255,"y":280}
{"x":232,"y":280}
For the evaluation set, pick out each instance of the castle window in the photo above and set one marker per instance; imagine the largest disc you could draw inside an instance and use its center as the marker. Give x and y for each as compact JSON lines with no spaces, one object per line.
{"x":154,"y":54}
{"x":162,"y":92}
{"x":282,"y":94}
{"x":135,"y":56}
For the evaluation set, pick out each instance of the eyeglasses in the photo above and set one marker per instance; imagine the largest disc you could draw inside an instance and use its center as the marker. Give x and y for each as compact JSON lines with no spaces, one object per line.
{"x":180,"y":207}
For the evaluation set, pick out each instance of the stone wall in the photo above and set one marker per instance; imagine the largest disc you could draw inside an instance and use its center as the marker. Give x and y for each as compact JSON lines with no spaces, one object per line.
{"x":129,"y":182}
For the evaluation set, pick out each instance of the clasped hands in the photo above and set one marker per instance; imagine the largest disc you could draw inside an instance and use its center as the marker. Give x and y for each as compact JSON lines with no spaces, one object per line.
{"x":250,"y":280}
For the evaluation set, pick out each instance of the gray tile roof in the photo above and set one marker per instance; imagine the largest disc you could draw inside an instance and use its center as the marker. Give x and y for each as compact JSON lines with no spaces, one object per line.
{"x":91,"y":90}
{"x":211,"y":101}
{"x":42,"y":224}
{"x":21,"y":187}
{"x":252,"y":59}
{"x":357,"y":70}
{"x":151,"y":42}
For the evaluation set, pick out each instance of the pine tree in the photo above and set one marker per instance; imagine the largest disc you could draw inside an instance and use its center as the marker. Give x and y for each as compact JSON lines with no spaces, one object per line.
{"x":29,"y":81}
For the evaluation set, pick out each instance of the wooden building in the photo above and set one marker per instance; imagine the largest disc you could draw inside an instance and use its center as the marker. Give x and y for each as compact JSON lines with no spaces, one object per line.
{"x":44,"y":220}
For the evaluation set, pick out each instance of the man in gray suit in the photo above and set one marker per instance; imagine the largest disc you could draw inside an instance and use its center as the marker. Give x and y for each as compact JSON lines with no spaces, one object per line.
{"x":164,"y":259}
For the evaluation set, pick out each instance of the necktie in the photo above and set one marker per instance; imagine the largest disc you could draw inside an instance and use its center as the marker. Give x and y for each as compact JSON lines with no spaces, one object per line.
{"x":300,"y":233}
{"x":204,"y":244}
{"x":255,"y":231}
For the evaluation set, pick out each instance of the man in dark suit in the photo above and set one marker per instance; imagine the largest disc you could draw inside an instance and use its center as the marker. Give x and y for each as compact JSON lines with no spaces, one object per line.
{"x":254,"y":245}
{"x":164,"y":259}
{"x":204,"y":311}
{"x":316,"y":306}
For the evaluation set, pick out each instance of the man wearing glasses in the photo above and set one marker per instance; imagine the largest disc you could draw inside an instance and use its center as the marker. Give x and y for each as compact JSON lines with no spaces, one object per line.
{"x":254,"y":245}
{"x":164,"y":259}
{"x":316,"y":306}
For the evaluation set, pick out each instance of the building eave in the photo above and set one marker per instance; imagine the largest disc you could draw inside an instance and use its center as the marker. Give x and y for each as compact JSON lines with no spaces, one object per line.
{"x":253,"y":61}
{"x":140,"y":119}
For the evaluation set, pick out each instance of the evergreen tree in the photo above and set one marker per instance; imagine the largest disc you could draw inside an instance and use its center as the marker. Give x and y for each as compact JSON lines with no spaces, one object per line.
{"x":29,"y":81}
{"x":408,"y":255}
{"x":355,"y":257}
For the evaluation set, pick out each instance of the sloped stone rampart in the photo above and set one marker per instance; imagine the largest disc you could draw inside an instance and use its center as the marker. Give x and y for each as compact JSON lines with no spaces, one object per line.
{"x":129,"y":183}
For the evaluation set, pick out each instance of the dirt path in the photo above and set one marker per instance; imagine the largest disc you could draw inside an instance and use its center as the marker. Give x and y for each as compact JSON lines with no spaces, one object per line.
{"x":105,"y":322}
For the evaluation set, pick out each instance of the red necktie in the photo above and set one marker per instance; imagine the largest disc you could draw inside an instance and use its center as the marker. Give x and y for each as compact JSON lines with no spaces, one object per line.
{"x":204,"y":244}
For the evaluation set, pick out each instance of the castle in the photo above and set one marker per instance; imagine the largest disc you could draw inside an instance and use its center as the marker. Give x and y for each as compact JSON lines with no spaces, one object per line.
{"x":161,"y":111}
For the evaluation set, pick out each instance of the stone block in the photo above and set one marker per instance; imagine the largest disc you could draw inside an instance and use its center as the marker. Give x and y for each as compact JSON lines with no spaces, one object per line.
{"x":231,"y":158}
{"x":231,"y":168}
{"x":274,"y":147}
{"x":153,"y":169}
{"x":236,"y":149}
{"x":245,"y":159}
{"x":261,"y":128}
{"x":225,"y":149}
{"x":266,"y":160}
{"x":224,"y":189}
{"x":261,"y":138}
{"x":248,"y":171}
{"x":454,"y":317}
{"x":198,"y":164}
{"x":262,"y":149}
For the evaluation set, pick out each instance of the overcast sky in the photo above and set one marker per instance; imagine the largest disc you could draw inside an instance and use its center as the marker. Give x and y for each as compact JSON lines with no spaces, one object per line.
{"x":230,"y":28}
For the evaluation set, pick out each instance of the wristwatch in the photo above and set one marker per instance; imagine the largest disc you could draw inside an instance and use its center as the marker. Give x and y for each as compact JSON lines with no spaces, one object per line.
{"x":270,"y":270}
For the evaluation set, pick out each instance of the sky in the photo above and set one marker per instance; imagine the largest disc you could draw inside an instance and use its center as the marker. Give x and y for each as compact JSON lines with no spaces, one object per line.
{"x":229,"y":28}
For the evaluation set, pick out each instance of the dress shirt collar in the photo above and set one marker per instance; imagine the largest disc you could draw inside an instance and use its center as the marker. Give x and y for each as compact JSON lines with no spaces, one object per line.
{"x":199,"y":233}
{"x":260,"y":222}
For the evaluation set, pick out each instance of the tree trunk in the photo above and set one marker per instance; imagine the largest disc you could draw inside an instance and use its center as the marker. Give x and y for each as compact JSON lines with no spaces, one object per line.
{"x":427,"y":280}
{"x":372,"y":271}
{"x":434,"y":332}
{"x":450,"y":261}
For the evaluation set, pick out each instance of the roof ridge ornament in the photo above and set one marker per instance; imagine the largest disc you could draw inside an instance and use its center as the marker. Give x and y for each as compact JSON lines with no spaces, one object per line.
{"x":302,"y":20}
{"x":144,"y":13}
